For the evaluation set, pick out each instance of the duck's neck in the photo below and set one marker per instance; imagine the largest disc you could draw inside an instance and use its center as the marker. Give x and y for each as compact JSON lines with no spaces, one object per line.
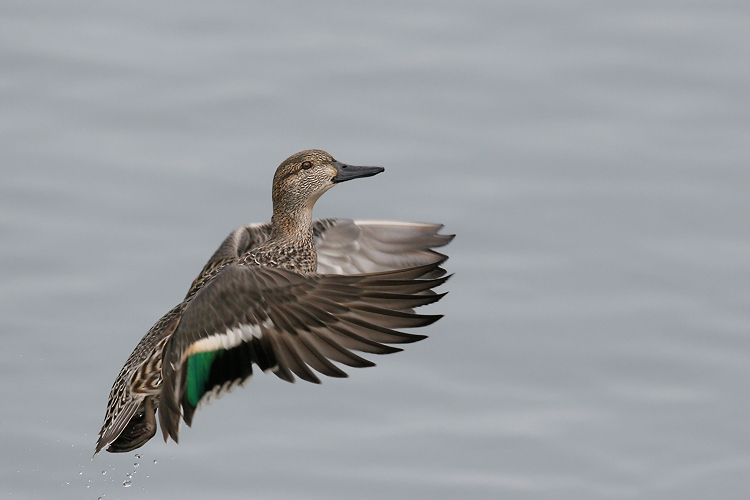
{"x":291,"y":244}
{"x":292,"y":224}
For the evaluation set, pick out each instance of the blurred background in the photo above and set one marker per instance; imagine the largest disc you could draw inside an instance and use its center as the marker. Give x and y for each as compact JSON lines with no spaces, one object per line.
{"x":593,"y":159}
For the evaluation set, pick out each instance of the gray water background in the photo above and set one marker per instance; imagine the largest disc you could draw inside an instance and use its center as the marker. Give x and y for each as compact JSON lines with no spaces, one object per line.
{"x":593,"y":159}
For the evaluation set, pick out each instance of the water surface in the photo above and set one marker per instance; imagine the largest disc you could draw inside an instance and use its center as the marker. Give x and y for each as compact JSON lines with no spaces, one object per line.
{"x":591,"y":157}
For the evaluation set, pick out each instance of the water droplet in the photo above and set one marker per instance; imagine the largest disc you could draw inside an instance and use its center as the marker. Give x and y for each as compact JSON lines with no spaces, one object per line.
{"x":136,"y":464}
{"x":126,"y":484}
{"x":88,"y":486}
{"x":100,"y":498}
{"x":138,"y":455}
{"x":104,"y":473}
{"x":129,"y":475}
{"x":80,"y":473}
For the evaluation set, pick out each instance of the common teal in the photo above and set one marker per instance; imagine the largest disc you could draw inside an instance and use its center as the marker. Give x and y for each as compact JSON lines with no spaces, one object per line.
{"x":287,"y":296}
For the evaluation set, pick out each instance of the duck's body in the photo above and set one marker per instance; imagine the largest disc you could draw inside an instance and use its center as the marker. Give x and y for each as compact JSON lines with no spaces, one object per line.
{"x":286,"y":296}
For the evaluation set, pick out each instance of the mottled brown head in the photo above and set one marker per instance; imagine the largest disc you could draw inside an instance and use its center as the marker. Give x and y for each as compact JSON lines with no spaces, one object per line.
{"x":303,"y":177}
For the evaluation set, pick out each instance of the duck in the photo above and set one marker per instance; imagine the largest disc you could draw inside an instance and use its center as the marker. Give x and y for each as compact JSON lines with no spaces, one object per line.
{"x":291,"y":296}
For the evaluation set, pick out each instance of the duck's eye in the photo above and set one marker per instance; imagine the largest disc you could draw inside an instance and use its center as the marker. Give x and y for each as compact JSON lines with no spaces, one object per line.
{"x":306,"y":164}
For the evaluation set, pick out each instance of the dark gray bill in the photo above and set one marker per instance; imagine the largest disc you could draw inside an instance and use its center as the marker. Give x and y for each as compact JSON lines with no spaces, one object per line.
{"x":346,"y":172}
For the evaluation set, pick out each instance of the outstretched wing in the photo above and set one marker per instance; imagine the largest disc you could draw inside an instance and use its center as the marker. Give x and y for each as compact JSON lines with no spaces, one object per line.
{"x":355,"y":247}
{"x":290,"y":324}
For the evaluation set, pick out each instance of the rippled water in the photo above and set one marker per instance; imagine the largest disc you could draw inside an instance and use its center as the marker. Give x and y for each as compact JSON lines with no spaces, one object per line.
{"x":592,"y":158}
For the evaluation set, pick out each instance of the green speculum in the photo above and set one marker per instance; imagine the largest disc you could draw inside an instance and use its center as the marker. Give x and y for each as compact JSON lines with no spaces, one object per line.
{"x":199,"y":370}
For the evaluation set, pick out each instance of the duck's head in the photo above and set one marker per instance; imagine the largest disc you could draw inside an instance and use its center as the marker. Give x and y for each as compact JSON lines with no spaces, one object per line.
{"x":303,"y":177}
